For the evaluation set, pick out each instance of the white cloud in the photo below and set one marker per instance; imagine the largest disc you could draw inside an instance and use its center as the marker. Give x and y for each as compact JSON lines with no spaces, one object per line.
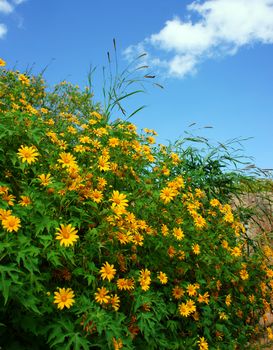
{"x":222,"y":27}
{"x":18,"y":2}
{"x":5,"y":7}
{"x":3,"y":30}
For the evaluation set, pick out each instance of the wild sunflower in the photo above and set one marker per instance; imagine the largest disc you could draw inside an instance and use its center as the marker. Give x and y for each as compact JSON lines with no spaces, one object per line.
{"x":11,"y":223}
{"x":2,"y":63}
{"x":4,"y":214}
{"x":67,"y":159}
{"x":64,"y":298}
{"x":117,"y":344}
{"x":177,"y":292}
{"x":125,"y":284}
{"x":25,"y":201}
{"x":103,"y":163}
{"x":184,"y":310}
{"x":191,"y":290}
{"x":162,"y":277}
{"x":96,"y":196}
{"x":28,"y":154}
{"x":113,"y":141}
{"x":191,"y":306}
{"x":167,"y":194}
{"x":67,"y":235}
{"x":244,"y":274}
{"x":115,"y":302}
{"x":199,"y":222}
{"x":203,"y":298}
{"x":119,"y":199}
{"x":236,"y":251}
{"x":102,"y":296}
{"x":196,"y":249}
{"x":107,"y":271}
{"x":45,"y":179}
{"x":24,"y":80}
{"x":178,"y":233}
{"x":203,"y":345}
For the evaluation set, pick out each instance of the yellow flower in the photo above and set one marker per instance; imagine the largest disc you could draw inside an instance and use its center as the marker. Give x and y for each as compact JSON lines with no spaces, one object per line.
{"x":80,"y":148}
{"x":44,"y":110}
{"x":162,"y":277}
{"x":203,"y":298}
{"x":269,"y":333}
{"x":214,"y":202}
{"x":229,"y":217}
{"x":115,"y":302}
{"x":164,"y":230}
{"x":236,"y":251}
{"x":117,"y":344}
{"x":96,"y":115}
{"x":67,"y":159}
{"x":228,"y":300}
{"x":145,"y":279}
{"x":203,"y":345}
{"x":113,"y":142}
{"x":251,"y":298}
{"x":28,"y":154}
{"x":45,"y":179}
{"x":184,"y":310}
{"x":4,"y":214}
{"x":118,"y":199}
{"x":85,"y":139}
{"x":196,"y":249}
{"x":178,"y":233}
{"x":101,"y":296}
{"x":244,"y":274}
{"x":67,"y":235}
{"x":177,"y":292}
{"x":224,"y":244}
{"x":103,"y":163}
{"x":25,"y":201}
{"x":167,"y":194}
{"x":96,"y":196}
{"x":191,"y":289}
{"x":24,"y":80}
{"x":2,"y":63}
{"x":191,"y":306}
{"x":8,"y":198}
{"x":199,"y":222}
{"x":151,"y":140}
{"x":125,"y":284}
{"x":101,"y":183}
{"x":199,"y":193}
{"x":11,"y":223}
{"x":107,"y":271}
{"x":223,"y":316}
{"x":64,"y":298}
{"x":175,"y":158}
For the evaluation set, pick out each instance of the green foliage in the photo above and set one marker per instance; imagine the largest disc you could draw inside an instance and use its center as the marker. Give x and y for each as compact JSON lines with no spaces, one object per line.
{"x":110,"y":241}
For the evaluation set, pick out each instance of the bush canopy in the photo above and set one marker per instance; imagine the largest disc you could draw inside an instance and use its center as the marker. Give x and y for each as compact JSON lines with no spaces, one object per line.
{"x":111,"y":241}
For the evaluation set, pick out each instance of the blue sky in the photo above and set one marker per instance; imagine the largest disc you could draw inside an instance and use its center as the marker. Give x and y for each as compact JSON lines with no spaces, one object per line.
{"x":214,"y":58}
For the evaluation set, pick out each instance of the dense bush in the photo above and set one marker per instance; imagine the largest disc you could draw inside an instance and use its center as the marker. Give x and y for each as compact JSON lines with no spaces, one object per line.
{"x":107,"y":242}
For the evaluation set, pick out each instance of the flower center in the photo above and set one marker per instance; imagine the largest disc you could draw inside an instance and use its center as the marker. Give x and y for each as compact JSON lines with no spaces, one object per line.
{"x":63,"y":298}
{"x":66,"y":234}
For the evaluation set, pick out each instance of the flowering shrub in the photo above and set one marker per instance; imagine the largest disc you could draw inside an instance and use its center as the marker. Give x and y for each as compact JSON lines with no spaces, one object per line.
{"x":106,"y":242}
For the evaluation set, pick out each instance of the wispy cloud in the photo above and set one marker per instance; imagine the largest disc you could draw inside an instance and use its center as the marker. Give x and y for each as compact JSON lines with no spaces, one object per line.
{"x":18,"y":2}
{"x":3,"y":30}
{"x":211,"y":28}
{"x":6,"y":8}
